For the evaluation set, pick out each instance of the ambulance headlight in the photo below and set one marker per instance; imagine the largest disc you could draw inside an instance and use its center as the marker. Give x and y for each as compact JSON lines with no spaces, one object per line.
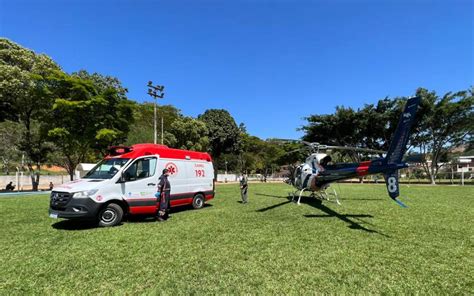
{"x":84,"y":194}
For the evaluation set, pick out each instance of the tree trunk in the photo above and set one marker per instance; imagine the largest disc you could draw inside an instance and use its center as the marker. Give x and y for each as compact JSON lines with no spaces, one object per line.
{"x":70,"y":169}
{"x":5,"y":165}
{"x":34,"y":177}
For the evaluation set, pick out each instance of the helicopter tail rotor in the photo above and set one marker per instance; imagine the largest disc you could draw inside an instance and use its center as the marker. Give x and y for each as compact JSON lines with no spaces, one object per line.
{"x":391,"y":180}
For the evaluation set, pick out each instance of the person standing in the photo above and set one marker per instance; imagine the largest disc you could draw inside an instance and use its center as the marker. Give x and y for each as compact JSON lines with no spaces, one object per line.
{"x":243,"y":188}
{"x":163,"y":196}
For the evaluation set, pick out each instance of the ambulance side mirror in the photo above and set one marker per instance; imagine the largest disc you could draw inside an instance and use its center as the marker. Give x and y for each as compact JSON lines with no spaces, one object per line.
{"x":122,"y":177}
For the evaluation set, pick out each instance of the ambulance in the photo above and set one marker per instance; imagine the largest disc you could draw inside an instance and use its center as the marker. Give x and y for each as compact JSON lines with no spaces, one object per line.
{"x":126,"y":180}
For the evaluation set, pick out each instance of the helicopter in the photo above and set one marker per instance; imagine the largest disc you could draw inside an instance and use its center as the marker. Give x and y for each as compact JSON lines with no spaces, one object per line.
{"x":316,"y":174}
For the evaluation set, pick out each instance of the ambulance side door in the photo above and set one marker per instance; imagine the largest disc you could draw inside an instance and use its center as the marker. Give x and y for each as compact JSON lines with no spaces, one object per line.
{"x":139,"y":185}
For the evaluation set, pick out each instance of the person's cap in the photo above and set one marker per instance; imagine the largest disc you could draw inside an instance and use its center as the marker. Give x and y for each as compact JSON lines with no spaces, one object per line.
{"x":165,"y":171}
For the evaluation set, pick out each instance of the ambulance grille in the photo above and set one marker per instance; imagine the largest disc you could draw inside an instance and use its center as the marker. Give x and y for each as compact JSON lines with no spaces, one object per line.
{"x":59,"y":200}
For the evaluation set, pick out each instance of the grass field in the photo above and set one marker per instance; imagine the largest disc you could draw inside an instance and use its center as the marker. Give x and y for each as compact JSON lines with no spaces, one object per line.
{"x":270,"y":246}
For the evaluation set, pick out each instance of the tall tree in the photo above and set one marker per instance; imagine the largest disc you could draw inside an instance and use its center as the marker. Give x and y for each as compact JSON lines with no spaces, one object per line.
{"x":10,"y":133}
{"x":141,"y":130}
{"x":86,"y":118}
{"x":224,"y":135}
{"x":189,"y":133}
{"x":370,"y":127}
{"x":24,"y":98}
{"x":103,"y":82}
{"x":446,"y":122}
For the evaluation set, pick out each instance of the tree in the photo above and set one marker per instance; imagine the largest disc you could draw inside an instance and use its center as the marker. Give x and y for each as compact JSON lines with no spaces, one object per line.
{"x":343,"y":128}
{"x":24,"y":99}
{"x":260,"y":156}
{"x":86,"y":118}
{"x":10,"y":133}
{"x":446,"y":122}
{"x":189,"y":133}
{"x":224,"y":135}
{"x":371,"y":127}
{"x":103,"y":82}
{"x":141,"y":130}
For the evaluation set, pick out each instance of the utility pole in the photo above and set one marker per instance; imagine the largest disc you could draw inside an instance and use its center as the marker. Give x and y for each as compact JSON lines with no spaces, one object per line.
{"x":225,"y":178}
{"x":156,"y":91}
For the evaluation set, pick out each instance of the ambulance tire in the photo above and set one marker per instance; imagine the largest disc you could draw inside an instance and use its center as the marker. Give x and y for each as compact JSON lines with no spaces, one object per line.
{"x":198,"y":201}
{"x":111,"y":215}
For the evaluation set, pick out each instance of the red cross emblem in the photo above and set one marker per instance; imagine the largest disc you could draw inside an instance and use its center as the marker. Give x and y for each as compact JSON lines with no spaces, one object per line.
{"x":172,"y":168}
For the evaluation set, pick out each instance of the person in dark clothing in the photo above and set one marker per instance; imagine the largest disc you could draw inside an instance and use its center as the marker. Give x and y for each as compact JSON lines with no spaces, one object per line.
{"x":10,"y":187}
{"x":163,"y":196}
{"x":243,"y":188}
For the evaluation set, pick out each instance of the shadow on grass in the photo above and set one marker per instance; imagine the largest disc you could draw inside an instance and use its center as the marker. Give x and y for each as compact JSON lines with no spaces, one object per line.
{"x":362,"y":199}
{"x":188,"y":208}
{"x":330,"y":213}
{"x":273,"y":206}
{"x":85,"y":225}
{"x":276,"y":196}
{"x":75,"y":225}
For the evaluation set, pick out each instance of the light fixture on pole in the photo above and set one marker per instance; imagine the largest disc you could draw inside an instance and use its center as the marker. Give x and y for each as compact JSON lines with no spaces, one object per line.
{"x":156,"y":91}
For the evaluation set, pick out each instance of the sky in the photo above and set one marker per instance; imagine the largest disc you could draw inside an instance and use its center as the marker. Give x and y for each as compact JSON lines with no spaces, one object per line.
{"x":269,"y":63}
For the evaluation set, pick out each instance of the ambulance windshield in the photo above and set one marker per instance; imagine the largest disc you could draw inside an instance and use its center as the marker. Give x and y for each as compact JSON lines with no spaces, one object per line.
{"x":106,"y":169}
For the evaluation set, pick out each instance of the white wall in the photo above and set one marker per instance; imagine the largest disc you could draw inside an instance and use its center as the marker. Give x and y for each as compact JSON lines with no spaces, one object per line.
{"x":25,"y":181}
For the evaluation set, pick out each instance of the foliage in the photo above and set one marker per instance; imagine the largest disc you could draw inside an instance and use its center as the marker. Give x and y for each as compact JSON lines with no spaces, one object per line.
{"x":24,"y":98}
{"x":86,"y":117}
{"x":370,"y":127}
{"x":10,"y":133}
{"x":224,"y":135}
{"x":446,"y":123}
{"x":190,"y":134}
{"x":141,"y":130}
{"x":269,"y":246}
{"x":102,"y":83}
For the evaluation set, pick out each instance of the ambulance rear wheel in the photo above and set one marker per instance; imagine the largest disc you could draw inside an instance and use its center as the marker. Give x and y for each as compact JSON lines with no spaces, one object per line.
{"x":198,"y":201}
{"x":111,"y":215}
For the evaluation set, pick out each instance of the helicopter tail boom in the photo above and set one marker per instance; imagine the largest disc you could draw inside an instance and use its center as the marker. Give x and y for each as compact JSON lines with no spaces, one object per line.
{"x":398,"y":146}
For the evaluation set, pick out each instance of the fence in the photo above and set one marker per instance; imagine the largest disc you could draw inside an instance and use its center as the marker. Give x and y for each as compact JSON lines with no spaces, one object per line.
{"x":444,"y":178}
{"x":22,"y":181}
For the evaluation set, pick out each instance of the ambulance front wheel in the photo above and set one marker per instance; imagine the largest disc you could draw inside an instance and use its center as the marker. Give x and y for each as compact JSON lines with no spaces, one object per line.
{"x":198,"y":201}
{"x":111,"y":215}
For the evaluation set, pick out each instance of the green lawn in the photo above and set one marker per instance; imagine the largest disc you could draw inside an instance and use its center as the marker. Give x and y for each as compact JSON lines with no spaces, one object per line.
{"x":271,"y":246}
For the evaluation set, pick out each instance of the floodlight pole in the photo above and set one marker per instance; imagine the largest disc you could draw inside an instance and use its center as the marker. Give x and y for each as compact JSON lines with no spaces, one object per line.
{"x":156,"y":91}
{"x":225,"y":178}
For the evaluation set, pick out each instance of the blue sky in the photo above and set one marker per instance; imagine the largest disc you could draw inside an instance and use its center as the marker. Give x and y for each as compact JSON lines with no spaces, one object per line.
{"x":270,"y":63}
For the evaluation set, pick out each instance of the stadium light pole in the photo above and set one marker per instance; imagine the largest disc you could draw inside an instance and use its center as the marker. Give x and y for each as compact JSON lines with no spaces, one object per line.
{"x":156,"y":91}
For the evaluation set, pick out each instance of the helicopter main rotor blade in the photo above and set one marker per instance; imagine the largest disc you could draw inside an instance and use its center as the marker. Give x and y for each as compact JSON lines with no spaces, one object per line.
{"x":351,"y":149}
{"x":297,"y":150}
{"x":310,"y":144}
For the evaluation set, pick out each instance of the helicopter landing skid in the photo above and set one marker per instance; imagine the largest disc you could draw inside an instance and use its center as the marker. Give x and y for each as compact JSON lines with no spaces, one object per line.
{"x":323,"y":195}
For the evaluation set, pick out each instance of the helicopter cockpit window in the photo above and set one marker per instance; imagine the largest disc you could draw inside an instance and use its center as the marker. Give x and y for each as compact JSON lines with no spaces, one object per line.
{"x":325,"y":161}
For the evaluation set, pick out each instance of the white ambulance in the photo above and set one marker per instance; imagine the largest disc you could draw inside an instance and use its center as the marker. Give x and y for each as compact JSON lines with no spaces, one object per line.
{"x":125,"y":182}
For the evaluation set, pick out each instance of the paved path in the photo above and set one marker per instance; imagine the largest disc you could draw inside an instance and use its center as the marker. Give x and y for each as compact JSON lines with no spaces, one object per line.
{"x":14,"y":193}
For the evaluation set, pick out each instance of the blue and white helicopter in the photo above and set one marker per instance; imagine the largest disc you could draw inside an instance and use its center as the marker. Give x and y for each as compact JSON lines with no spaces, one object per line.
{"x":316,"y":174}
